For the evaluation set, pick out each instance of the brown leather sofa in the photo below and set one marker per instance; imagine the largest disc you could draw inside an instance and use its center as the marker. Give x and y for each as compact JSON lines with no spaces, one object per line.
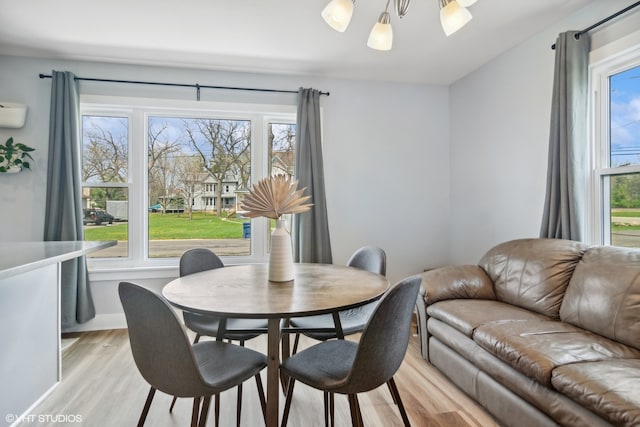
{"x":542,"y":332}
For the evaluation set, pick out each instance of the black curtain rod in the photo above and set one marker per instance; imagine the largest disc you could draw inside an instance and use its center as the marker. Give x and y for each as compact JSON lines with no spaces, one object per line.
{"x":196,"y":86}
{"x":604,"y":21}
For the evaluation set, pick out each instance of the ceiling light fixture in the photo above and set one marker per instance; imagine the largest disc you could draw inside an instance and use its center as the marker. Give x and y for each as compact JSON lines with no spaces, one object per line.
{"x":453,"y":16}
{"x":381,"y":35}
{"x":338,"y":14}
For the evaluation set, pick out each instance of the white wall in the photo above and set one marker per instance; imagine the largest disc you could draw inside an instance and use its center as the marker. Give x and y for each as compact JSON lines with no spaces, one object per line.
{"x":499,"y":137}
{"x":385,"y":152}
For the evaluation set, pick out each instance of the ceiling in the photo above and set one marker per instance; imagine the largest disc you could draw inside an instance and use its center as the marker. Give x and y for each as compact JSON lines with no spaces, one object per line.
{"x":283,"y":36}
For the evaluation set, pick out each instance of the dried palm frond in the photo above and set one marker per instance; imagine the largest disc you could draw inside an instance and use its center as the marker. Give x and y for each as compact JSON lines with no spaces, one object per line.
{"x":275,"y":196}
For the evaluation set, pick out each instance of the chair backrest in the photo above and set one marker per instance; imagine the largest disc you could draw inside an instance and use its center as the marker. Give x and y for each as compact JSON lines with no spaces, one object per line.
{"x":197,"y":260}
{"x":384,"y":341}
{"x":369,"y":258}
{"x":159,"y":344}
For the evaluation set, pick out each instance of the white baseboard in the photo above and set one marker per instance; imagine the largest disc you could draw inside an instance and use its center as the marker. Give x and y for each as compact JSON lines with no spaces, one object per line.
{"x":101,"y":322}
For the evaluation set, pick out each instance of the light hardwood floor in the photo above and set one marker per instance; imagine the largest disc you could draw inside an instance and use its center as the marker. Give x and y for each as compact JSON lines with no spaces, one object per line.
{"x":102,"y":387}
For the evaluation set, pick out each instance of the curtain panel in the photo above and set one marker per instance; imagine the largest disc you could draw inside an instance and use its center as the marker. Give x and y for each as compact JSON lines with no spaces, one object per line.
{"x":310,"y":230}
{"x":63,"y":217}
{"x":564,"y":208}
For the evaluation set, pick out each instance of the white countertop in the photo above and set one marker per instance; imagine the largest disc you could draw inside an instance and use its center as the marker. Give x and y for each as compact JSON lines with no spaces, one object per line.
{"x":19,"y":257}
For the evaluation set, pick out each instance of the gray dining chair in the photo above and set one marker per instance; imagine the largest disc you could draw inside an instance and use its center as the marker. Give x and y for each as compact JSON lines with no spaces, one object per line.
{"x":348,"y":367}
{"x":369,"y":258}
{"x":201,"y":259}
{"x":170,"y":363}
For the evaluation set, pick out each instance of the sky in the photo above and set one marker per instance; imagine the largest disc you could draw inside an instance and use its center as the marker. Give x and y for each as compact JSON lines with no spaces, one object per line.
{"x":625,"y":117}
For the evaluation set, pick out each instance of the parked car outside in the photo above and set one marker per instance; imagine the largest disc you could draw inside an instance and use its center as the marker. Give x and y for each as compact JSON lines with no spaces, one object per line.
{"x":96,"y":216}
{"x":155,"y":208}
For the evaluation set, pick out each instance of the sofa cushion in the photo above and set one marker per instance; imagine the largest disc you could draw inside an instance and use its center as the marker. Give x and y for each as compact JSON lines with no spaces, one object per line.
{"x":610,"y":388}
{"x":533,"y":273}
{"x":536,"y":347}
{"x":603,"y":295}
{"x":466,"y":315}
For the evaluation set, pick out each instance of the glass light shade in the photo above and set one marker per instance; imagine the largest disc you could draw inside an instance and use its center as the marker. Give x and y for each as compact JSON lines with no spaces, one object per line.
{"x":381,"y":35}
{"x":453,"y":17}
{"x":338,"y":14}
{"x":466,"y":3}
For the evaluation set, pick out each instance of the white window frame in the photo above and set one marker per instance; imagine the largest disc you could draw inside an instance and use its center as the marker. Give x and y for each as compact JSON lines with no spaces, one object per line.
{"x":138,"y":110}
{"x":598,"y":211}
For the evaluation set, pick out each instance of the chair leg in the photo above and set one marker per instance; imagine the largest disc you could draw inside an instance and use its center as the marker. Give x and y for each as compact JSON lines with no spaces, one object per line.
{"x":395,"y":402}
{"x":396,"y":397}
{"x":239,"y":402}
{"x":195,"y":412}
{"x":325,"y":398}
{"x":239,"y":405}
{"x":196,"y":339}
{"x":287,"y":403}
{"x":263,"y":401}
{"x":329,"y":409}
{"x":295,"y":344}
{"x":147,"y":405}
{"x":216,"y":409}
{"x":356,"y":416}
{"x":332,"y":409}
{"x":204,"y":411}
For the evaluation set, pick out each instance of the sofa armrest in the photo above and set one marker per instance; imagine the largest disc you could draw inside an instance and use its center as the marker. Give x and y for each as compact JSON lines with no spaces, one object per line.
{"x":453,"y":282}
{"x":456,"y":282}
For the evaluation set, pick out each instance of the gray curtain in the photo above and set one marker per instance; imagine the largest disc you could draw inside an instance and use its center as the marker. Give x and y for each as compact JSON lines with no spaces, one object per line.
{"x":63,"y":216}
{"x":566,"y":174}
{"x":310,"y":230}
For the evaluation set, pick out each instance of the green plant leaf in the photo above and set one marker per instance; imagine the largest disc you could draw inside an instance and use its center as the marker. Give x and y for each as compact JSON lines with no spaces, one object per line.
{"x":24,"y":148}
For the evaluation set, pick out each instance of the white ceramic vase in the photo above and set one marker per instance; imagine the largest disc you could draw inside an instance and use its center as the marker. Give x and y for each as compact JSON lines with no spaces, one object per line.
{"x":281,"y":257}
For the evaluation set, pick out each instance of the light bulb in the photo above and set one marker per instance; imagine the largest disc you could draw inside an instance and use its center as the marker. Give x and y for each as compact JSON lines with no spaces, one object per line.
{"x":453,"y":17}
{"x":381,"y":36}
{"x":338,"y":14}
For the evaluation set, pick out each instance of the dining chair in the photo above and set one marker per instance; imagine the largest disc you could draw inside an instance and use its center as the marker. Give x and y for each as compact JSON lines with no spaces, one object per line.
{"x":348,"y":367}
{"x":201,"y":259}
{"x":369,"y":258}
{"x":170,"y":363}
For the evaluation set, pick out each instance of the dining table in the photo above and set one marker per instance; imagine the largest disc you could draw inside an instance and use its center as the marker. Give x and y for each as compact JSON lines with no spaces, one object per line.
{"x":244,"y":291}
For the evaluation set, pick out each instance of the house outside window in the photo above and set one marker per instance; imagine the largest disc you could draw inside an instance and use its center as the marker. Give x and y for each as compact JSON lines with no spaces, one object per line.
{"x":173,"y":174}
{"x":614,"y":217}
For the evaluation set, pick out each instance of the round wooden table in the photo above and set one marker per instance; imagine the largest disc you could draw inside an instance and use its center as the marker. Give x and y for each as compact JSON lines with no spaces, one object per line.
{"x":244,"y":291}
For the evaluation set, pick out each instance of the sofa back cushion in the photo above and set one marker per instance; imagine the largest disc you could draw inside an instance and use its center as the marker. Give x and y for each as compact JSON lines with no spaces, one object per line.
{"x":603,"y":295}
{"x":533,"y":273}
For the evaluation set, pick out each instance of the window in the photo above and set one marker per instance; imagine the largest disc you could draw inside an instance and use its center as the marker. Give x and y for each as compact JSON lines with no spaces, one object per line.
{"x":172,"y":175}
{"x":615,"y":217}
{"x":105,"y":171}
